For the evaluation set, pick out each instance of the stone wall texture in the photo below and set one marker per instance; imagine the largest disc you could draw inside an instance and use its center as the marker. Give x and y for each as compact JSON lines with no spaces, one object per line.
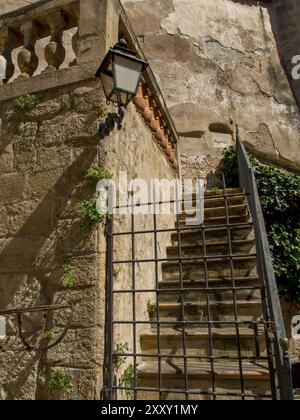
{"x":221,"y":63}
{"x":218,"y":65}
{"x":44,"y":155}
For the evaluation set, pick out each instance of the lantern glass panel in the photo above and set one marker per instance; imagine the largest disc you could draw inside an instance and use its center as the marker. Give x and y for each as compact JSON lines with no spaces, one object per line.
{"x":127,"y":73}
{"x":107,"y":83}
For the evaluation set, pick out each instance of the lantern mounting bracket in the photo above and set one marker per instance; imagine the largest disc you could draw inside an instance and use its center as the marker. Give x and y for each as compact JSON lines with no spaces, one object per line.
{"x":111,"y":121}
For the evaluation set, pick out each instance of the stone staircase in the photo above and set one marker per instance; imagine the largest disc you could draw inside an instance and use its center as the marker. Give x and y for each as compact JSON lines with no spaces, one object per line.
{"x":222,"y":361}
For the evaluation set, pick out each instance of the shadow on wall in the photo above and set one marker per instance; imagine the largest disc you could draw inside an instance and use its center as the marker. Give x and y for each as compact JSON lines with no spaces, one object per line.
{"x":285,"y":17}
{"x":31,"y":262}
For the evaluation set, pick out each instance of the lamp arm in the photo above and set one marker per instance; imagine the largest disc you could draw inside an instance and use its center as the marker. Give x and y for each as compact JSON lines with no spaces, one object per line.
{"x":112,"y":119}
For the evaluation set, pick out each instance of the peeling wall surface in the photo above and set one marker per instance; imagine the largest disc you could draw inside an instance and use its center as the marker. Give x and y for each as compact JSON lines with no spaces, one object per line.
{"x":218,"y":65}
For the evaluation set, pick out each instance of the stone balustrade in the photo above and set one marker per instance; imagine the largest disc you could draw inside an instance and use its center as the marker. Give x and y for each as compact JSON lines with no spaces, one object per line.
{"x":21,"y":31}
{"x":53,"y":43}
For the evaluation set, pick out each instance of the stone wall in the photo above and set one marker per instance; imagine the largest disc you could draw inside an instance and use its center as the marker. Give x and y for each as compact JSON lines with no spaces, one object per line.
{"x":285,"y":18}
{"x":218,"y":65}
{"x":44,"y":156}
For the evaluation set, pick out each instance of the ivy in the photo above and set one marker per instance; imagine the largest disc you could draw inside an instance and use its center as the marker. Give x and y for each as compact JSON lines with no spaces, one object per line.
{"x":48,"y":336}
{"x":151,"y":309}
{"x":26,"y":103}
{"x":60,"y":381}
{"x":128,"y":379}
{"x":68,"y":267}
{"x":91,"y":216}
{"x":94,"y":175}
{"x":280,"y":200}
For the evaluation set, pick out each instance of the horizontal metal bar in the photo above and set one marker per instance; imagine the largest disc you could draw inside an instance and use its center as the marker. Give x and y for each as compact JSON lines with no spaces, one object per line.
{"x":16,"y":311}
{"x":180,"y":200}
{"x":176,"y":391}
{"x":267,"y":323}
{"x":187,"y":289}
{"x":193,"y":258}
{"x":187,"y":229}
{"x":175,"y":356}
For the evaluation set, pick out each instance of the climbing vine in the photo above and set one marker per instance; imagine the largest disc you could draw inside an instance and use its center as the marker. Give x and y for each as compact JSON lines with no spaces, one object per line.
{"x":280,"y":199}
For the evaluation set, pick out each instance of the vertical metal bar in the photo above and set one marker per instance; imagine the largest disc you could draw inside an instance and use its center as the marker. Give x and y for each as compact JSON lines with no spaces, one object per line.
{"x":186,"y":375}
{"x":209,"y":318}
{"x":157,"y":292}
{"x":133,"y":297}
{"x":236,"y":316}
{"x":109,"y":311}
{"x":256,"y":340}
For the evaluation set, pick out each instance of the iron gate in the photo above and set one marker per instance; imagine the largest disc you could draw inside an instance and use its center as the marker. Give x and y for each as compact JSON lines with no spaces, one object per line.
{"x":134,"y":295}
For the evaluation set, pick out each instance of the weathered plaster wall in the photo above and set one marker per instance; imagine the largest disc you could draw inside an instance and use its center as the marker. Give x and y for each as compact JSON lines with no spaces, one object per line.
{"x":285,"y":18}
{"x":217,"y":63}
{"x":43,"y":157}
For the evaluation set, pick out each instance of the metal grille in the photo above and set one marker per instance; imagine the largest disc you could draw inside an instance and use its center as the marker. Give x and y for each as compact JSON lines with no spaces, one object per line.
{"x":135,"y":371}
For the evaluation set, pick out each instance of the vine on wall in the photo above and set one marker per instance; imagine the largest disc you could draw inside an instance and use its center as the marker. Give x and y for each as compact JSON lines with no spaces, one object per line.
{"x":280,"y":200}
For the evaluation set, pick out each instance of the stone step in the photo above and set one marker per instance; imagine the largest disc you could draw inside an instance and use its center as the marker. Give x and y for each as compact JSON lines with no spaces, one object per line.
{"x":217,"y":268}
{"x":227,"y":380}
{"x":211,"y":220}
{"x":220,"y":193}
{"x":219,"y":311}
{"x":195,"y":236}
{"x":242,"y":246}
{"x":220,"y":202}
{"x":235,"y":210}
{"x":224,"y":342}
{"x":219,"y":290}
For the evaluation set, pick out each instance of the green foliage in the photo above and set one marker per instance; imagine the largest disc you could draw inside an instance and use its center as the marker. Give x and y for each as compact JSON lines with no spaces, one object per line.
{"x":48,"y":335}
{"x":94,"y":175}
{"x":128,"y":378}
{"x":120,"y":360}
{"x":216,"y":191}
{"x":67,"y":267}
{"x":100,"y":110}
{"x":229,"y":166}
{"x":151,"y":309}
{"x":280,"y":200}
{"x":88,"y":210}
{"x":26,"y":103}
{"x":60,"y":381}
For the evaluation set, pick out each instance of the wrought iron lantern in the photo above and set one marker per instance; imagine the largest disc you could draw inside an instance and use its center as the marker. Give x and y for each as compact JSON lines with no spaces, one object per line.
{"x":120,"y":74}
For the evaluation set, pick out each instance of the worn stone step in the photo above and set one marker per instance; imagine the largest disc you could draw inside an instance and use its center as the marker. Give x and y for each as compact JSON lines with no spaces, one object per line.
{"x":217,"y":268}
{"x":224,"y":342}
{"x":211,"y":220}
{"x":234,"y":210}
{"x":219,"y":311}
{"x":220,"y":193}
{"x":248,"y":290}
{"x":220,"y":202}
{"x":242,"y":246}
{"x":195,"y":236}
{"x":227,"y":380}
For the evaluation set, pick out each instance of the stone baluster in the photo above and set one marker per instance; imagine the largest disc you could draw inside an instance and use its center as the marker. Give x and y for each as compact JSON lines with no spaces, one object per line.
{"x":27,"y":59}
{"x":75,"y":48}
{"x":55,"y":53}
{"x":7,"y":40}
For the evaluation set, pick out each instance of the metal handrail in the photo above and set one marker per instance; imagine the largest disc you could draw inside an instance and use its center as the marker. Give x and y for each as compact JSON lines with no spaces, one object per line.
{"x":279,"y":344}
